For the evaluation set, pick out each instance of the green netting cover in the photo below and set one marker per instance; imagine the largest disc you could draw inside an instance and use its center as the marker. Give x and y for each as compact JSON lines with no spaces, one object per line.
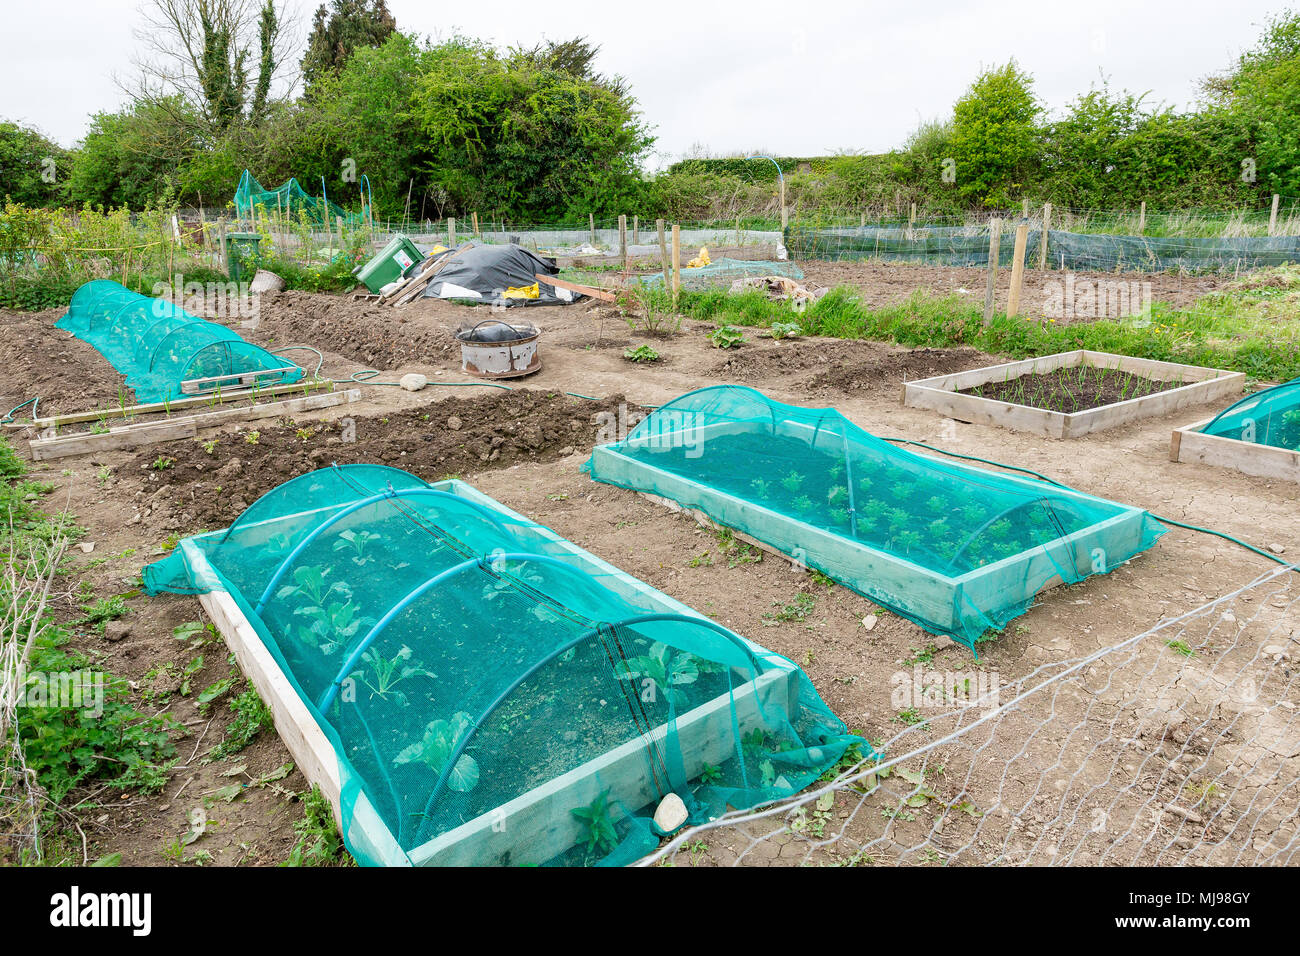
{"x":969,"y":246}
{"x":157,"y":345}
{"x":954,"y":548}
{"x":290,"y":201}
{"x":480,"y":679}
{"x":725,"y":271}
{"x":1270,"y":417}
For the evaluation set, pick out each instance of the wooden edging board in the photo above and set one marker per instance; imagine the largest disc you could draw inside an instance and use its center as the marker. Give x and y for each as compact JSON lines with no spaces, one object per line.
{"x":943,"y":393}
{"x":152,"y":408}
{"x":1190,"y":444}
{"x":150,"y":433}
{"x":533,"y":827}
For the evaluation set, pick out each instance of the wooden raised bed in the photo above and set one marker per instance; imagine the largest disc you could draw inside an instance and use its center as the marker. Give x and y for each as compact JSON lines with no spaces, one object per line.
{"x":1190,"y":444}
{"x":881,"y":576}
{"x":536,"y":826}
{"x":943,"y":393}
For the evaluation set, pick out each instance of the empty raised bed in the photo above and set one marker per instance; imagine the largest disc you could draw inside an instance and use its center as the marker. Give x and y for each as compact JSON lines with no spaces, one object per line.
{"x":469,"y":688}
{"x":1259,"y":435}
{"x":954,"y":548}
{"x":1047,"y":400}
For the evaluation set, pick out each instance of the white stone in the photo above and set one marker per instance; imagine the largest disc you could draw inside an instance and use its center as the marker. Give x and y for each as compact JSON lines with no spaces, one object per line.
{"x":86,"y":546}
{"x":671,"y":813}
{"x":413,"y":381}
{"x":869,"y":621}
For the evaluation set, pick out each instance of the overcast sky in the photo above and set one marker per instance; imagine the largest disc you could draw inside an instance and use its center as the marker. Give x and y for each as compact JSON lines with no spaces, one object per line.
{"x":790,"y":78}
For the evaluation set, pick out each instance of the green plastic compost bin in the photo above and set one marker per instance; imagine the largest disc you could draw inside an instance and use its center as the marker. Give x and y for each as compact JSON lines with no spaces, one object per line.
{"x":389,"y":263}
{"x":241,"y":248}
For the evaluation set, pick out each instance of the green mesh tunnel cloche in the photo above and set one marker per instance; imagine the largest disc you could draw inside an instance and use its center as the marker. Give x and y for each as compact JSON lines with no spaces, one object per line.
{"x":956,"y":549}
{"x":491,"y":693}
{"x":164,"y":351}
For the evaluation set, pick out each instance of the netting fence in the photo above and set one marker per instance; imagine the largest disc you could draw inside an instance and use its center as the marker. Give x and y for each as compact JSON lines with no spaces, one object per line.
{"x":1178,"y":746}
{"x":969,"y":245}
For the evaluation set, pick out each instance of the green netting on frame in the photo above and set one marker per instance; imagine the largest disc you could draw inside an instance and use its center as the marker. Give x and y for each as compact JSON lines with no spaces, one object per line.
{"x":493,"y":693}
{"x":956,"y":549}
{"x":969,"y":246}
{"x":289,"y":201}
{"x":725,"y":271}
{"x":1270,"y":417}
{"x":159,"y":346}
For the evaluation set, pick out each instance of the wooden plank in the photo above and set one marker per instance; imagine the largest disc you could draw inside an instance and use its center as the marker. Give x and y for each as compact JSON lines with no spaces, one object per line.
{"x":991,"y":281}
{"x":154,"y":407}
{"x":595,"y":293}
{"x":1042,"y":239}
{"x":194,"y":386}
{"x":151,"y":433}
{"x":537,"y":826}
{"x":1017,"y":269}
{"x":941,"y":393}
{"x":1190,"y":444}
{"x":425,"y":278}
{"x":311,"y":750}
{"x":677,"y":262}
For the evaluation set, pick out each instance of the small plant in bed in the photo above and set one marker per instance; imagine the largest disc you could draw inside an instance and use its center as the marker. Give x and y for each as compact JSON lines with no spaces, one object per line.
{"x":1070,"y":390}
{"x":642,"y":353}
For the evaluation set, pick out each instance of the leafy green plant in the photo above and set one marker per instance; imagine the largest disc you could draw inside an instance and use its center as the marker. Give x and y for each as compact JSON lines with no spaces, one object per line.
{"x":162,"y":463}
{"x":434,"y":749}
{"x":666,"y":669}
{"x":784,"y":330}
{"x":599,"y":835}
{"x":642,"y":353}
{"x":318,"y":843}
{"x":726,"y":337}
{"x":386,"y":673}
{"x":356,"y":542}
{"x":251,"y":717}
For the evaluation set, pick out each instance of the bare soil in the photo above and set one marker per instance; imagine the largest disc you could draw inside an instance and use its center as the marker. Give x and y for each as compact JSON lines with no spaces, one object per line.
{"x":525,"y":447}
{"x":1071,"y":390}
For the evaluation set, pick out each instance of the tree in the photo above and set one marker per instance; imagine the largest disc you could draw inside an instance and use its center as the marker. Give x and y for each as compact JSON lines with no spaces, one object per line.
{"x":525,"y":137}
{"x":995,"y":136}
{"x":1262,"y":94}
{"x":133,"y":156}
{"x":199,"y":51}
{"x":33,"y":169}
{"x":338,"y":30}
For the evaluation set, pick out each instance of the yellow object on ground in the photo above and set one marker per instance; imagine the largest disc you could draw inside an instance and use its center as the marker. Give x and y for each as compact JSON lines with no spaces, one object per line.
{"x":701,"y":260}
{"x":522,"y":292}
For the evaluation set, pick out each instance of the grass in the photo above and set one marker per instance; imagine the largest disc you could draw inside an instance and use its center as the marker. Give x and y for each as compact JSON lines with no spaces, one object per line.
{"x":1248,"y":328}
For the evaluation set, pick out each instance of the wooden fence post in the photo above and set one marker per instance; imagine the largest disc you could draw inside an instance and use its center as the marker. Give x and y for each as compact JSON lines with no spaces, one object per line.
{"x":591,"y":226}
{"x":636,"y":230}
{"x":785,"y":210}
{"x":474,"y":221}
{"x":663,"y":253}
{"x":995,"y":238}
{"x":677,"y":262}
{"x":1272,"y":216}
{"x":451,"y":232}
{"x":1142,"y":218}
{"x":1024,"y":208}
{"x":1017,"y":270}
{"x":622,"y":239}
{"x":1042,"y":240}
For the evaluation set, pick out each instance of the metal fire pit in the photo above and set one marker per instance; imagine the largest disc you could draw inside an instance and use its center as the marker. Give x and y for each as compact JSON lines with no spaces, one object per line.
{"x":499,"y":351}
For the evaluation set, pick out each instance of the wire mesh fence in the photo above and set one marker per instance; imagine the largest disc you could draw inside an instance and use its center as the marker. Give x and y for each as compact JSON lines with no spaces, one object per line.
{"x":1178,"y":746}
